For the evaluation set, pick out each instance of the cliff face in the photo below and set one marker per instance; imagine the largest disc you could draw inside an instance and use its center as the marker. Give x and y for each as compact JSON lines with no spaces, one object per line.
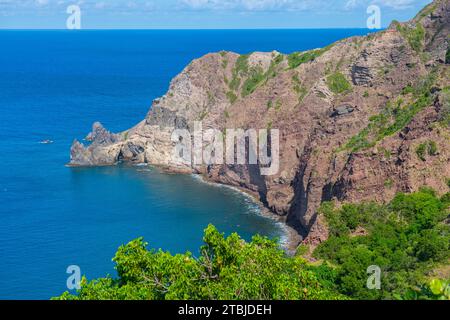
{"x":359,"y":120}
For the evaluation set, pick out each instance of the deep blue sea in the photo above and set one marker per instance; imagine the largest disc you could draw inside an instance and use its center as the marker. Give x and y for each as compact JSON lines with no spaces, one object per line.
{"x":54,"y":85}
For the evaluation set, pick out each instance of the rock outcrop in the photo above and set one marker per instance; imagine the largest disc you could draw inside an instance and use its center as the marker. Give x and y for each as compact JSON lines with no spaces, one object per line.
{"x":350,"y":118}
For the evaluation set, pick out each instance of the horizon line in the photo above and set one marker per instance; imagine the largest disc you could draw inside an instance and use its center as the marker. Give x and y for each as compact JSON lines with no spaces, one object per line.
{"x":183,"y":29}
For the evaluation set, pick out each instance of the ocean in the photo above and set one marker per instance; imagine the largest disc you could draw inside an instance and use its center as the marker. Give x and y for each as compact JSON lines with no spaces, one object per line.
{"x":53,"y":86}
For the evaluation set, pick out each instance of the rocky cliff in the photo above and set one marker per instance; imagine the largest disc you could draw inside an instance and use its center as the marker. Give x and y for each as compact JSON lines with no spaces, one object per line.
{"x":361,"y":119}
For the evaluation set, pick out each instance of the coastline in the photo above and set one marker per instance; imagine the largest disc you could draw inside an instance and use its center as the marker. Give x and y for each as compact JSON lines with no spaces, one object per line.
{"x":290,"y":238}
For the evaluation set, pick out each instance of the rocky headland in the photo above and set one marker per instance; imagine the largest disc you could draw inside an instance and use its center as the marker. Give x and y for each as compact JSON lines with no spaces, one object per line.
{"x":362,"y":119}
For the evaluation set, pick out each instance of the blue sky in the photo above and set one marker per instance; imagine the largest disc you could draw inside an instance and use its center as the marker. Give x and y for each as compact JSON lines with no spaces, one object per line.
{"x":202,"y":14}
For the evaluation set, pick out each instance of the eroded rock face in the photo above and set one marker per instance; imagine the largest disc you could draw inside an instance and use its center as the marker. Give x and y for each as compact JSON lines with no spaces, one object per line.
{"x":101,"y":151}
{"x":220,"y":90}
{"x":101,"y":137}
{"x":361,"y":75}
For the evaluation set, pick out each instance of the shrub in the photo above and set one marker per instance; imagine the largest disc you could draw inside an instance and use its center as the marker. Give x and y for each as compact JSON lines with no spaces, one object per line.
{"x":432,"y":148}
{"x":429,"y":147}
{"x":420,"y":151}
{"x":414,"y":35}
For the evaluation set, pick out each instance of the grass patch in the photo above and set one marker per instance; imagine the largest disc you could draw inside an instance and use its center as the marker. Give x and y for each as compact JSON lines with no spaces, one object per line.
{"x":231,"y":97}
{"x":240,"y":68}
{"x":224,"y":63}
{"x":278,"y":105}
{"x":299,"y":88}
{"x":337,"y":83}
{"x":420,"y":151}
{"x":256,"y":77}
{"x":407,"y":90}
{"x":297,"y":58}
{"x":414,"y":36}
{"x":389,"y":183}
{"x":253,"y":77}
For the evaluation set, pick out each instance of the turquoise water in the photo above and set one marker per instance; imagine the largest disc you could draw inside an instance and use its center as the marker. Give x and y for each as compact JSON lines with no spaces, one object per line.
{"x":54,"y":85}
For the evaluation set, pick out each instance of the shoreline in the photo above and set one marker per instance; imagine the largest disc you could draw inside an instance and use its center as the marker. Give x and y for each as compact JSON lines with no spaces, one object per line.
{"x":290,"y":238}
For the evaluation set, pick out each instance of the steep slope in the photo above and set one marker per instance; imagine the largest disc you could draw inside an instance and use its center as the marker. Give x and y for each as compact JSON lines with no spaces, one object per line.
{"x":361,"y":119}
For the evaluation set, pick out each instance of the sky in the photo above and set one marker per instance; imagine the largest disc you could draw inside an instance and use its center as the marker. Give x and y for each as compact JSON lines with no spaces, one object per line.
{"x":203,"y":14}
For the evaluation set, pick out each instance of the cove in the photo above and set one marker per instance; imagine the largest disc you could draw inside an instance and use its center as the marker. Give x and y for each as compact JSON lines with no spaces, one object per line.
{"x":52,"y":217}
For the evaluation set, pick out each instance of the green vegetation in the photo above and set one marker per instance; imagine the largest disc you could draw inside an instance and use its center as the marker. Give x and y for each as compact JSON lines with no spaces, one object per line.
{"x":203,"y":115}
{"x":278,"y":105}
{"x":405,"y":238}
{"x":299,"y":88}
{"x":420,"y":151}
{"x":253,"y":76}
{"x":224,"y":63}
{"x":231,"y":97}
{"x":256,"y":77}
{"x":440,"y":289}
{"x":407,"y":90}
{"x":445,"y":108}
{"x":432,"y":148}
{"x":338,"y":83}
{"x":414,"y":36}
{"x":428,"y":147}
{"x":228,"y":268}
{"x":297,"y":58}
{"x":389,"y":183}
{"x":366,"y":94}
{"x":240,"y":68}
{"x":436,"y":289}
{"x":393,"y":118}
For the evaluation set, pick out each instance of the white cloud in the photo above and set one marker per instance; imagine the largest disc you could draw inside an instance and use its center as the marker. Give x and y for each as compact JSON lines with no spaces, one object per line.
{"x":394,"y":4}
{"x":250,"y":5}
